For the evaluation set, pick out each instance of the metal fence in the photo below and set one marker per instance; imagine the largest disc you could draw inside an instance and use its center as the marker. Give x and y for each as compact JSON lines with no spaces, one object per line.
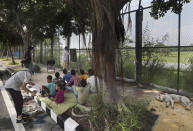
{"x":166,"y":56}
{"x":159,"y":64}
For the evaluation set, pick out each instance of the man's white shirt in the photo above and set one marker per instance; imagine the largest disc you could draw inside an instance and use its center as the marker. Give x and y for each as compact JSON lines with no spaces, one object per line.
{"x":65,"y":55}
{"x":16,"y":81}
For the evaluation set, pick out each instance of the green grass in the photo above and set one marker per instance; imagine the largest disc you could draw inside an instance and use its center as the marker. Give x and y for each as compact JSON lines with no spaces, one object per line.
{"x":5,"y":59}
{"x":172,"y":57}
{"x":10,"y":63}
{"x":132,"y":118}
{"x":184,"y":57}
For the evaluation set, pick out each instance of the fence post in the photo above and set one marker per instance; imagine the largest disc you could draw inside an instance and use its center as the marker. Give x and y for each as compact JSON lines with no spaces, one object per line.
{"x":179,"y":36}
{"x":138,"y":38}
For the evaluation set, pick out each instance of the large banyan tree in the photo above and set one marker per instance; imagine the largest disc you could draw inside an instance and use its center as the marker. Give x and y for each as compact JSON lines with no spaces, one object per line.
{"x":101,"y":16}
{"x":108,"y":32}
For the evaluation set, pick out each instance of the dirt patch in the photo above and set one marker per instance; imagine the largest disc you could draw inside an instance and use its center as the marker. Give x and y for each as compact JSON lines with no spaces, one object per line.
{"x":40,"y":78}
{"x":177,"y":119}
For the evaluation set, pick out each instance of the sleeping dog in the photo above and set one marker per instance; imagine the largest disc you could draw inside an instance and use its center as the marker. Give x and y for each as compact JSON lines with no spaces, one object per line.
{"x":170,"y":99}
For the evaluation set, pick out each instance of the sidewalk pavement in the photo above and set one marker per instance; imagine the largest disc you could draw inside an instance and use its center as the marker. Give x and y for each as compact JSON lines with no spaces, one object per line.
{"x":5,"y":121}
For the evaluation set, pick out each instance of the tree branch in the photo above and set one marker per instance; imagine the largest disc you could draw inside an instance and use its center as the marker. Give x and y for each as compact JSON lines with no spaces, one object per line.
{"x":123,"y":2}
{"x":139,"y":4}
{"x":19,"y":26}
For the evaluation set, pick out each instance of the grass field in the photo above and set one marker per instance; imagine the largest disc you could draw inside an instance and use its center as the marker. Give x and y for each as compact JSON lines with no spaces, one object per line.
{"x":9,"y":61}
{"x":172,"y":56}
{"x":184,"y":57}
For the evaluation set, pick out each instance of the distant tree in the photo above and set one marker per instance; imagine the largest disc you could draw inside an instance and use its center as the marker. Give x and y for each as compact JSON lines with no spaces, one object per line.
{"x":161,"y":7}
{"x":32,"y":17}
{"x":160,"y":44}
{"x":191,"y":44}
{"x":9,"y":38}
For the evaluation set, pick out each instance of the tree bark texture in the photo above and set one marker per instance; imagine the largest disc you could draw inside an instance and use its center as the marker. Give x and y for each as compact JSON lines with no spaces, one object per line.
{"x":10,"y":52}
{"x":7,"y":54}
{"x":104,"y":20}
{"x":68,"y":42}
{"x":26,"y":41}
{"x":41,"y":52}
{"x":52,"y":47}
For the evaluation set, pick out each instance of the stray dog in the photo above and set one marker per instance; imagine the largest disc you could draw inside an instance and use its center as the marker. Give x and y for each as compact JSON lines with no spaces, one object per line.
{"x":4,"y":75}
{"x":170,"y":99}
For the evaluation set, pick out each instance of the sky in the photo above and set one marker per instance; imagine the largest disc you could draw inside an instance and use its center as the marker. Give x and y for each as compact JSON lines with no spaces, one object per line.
{"x":158,"y":28}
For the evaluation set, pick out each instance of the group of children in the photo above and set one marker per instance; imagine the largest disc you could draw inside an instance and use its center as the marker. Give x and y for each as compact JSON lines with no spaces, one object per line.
{"x":56,"y":87}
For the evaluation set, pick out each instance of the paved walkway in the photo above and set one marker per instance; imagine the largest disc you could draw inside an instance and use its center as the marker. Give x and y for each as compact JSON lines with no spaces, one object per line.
{"x":7,"y":125}
{"x":177,"y":119}
{"x":5,"y":121}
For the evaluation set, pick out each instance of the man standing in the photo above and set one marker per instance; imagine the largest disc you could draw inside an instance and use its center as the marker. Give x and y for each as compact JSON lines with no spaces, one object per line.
{"x":14,"y":85}
{"x":27,"y":58}
{"x":65,"y":57}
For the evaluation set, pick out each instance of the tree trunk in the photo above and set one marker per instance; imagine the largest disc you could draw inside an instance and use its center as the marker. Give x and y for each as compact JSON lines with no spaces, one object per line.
{"x":68,"y":45}
{"x":68,"y":41}
{"x":19,"y":49}
{"x":41,"y":52}
{"x":12,"y":58}
{"x":26,"y":40}
{"x":45,"y":54}
{"x":52,"y":47}
{"x":105,"y":43}
{"x":33,"y":57}
{"x":23,"y":51}
{"x":84,"y":40}
{"x":26,"y":44}
{"x":3,"y":52}
{"x":7,"y":54}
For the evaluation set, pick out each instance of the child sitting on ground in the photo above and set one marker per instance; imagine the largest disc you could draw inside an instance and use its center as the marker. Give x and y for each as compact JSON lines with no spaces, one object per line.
{"x":83,"y":75}
{"x":58,"y":78}
{"x":60,"y":93}
{"x":50,"y":89}
{"x":67,"y":76}
{"x":83,"y":93}
{"x":92,"y":81}
{"x":75,"y":80}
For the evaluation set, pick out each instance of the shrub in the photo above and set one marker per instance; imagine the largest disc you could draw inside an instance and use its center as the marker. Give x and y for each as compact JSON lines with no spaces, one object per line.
{"x":127,"y":63}
{"x":130,"y":119}
{"x":187,"y":77}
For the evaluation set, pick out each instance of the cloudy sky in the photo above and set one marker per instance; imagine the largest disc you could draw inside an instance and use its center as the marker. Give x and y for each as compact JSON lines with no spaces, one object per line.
{"x":158,"y":28}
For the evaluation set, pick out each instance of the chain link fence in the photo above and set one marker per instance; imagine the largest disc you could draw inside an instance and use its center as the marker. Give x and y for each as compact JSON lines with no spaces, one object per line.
{"x":159,"y":51}
{"x":159,"y":64}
